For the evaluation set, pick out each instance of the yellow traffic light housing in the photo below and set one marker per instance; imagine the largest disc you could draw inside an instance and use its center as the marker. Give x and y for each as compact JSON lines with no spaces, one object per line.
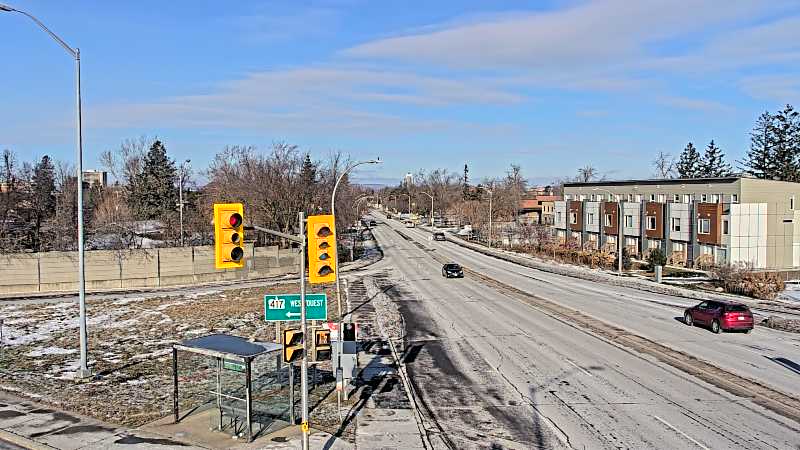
{"x":292,"y":345}
{"x":321,"y":234}
{"x":228,"y":235}
{"x":322,"y":345}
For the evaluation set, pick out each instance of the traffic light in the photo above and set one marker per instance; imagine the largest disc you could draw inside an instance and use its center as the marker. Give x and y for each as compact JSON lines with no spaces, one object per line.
{"x":349,"y":332}
{"x":321,"y":233}
{"x":322,"y":345}
{"x":228,"y":235}
{"x":292,"y":345}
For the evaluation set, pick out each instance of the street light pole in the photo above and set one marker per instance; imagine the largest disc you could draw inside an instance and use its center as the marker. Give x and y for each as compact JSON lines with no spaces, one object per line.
{"x":83,"y":370}
{"x":429,"y":195}
{"x":180,"y":193}
{"x":490,"y":218}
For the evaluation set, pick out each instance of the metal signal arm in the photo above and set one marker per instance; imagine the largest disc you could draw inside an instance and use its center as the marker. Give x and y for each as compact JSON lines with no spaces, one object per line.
{"x":291,"y":237}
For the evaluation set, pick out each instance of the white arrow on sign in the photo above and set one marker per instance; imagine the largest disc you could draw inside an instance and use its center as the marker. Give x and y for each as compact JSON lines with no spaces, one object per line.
{"x":291,"y":314}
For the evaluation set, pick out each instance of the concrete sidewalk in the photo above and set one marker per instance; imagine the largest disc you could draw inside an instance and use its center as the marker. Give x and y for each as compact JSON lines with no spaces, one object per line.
{"x":25,"y":424}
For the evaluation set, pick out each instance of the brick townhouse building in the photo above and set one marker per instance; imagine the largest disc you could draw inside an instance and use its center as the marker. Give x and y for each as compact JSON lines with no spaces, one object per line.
{"x":693,"y":221}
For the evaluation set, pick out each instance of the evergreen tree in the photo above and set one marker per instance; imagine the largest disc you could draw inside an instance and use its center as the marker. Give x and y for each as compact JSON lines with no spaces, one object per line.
{"x":465,"y":185}
{"x":308,"y":181}
{"x":688,"y":165}
{"x":42,"y":200}
{"x":786,"y":144}
{"x":713,"y":163}
{"x":759,"y":161}
{"x":152,"y":191}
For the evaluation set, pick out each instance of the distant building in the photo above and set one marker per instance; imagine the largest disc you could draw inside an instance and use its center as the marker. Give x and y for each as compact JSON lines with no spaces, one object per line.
{"x":539,"y":209}
{"x":95,"y":178}
{"x":693,"y":221}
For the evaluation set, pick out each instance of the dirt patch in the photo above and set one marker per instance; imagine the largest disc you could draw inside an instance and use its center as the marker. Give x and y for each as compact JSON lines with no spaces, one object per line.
{"x":130,"y":342}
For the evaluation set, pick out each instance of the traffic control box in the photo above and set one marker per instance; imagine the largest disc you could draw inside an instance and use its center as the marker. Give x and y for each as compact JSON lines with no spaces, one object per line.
{"x":228,"y":235}
{"x":322,"y":345}
{"x":292,"y":345}
{"x":321,"y":235}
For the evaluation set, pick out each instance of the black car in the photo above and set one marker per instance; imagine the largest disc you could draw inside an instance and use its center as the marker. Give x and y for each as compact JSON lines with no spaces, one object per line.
{"x":372,"y":223}
{"x":452,"y":270}
{"x":439,"y":236}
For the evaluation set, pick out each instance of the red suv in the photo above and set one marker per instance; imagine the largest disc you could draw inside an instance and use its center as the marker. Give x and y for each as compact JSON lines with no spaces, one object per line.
{"x":725,"y":316}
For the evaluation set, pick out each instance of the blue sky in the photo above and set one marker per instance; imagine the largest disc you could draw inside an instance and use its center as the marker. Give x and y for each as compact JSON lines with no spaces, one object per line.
{"x":549,"y":85}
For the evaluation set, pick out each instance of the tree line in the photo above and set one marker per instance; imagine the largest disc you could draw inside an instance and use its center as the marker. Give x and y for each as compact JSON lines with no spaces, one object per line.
{"x":38,"y":200}
{"x":774,"y":153}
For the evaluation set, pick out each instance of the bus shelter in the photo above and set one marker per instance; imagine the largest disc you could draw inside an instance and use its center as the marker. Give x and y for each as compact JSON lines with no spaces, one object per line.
{"x":233,"y":357}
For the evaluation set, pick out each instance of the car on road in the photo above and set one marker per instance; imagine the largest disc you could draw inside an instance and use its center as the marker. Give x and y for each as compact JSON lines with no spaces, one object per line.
{"x":720,"y":316}
{"x":439,"y":236}
{"x":452,"y":270}
{"x":409,"y":224}
{"x":372,"y":223}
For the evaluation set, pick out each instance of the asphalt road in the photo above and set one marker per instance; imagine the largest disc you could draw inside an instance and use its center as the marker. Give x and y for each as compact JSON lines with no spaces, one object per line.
{"x":765,"y":355}
{"x":491,"y":372}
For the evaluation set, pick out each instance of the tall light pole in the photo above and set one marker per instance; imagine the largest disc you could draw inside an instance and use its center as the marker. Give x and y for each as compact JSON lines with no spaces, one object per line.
{"x":620,"y":228}
{"x":336,"y":259}
{"x":180,"y":192}
{"x":490,"y":217}
{"x":429,"y":195}
{"x":83,"y":370}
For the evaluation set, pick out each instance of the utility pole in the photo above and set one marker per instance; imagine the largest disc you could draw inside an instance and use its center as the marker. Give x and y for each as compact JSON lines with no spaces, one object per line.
{"x":180,"y":193}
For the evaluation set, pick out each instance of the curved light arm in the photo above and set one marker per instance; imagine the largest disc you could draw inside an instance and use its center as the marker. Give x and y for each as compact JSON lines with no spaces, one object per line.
{"x":338,"y":180}
{"x":423,"y":192}
{"x":74,"y":52}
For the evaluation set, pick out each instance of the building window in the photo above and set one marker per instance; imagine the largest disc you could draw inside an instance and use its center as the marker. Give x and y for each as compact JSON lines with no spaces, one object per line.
{"x":611,"y":240}
{"x":676,"y":198}
{"x":567,"y":196}
{"x":687,"y":198}
{"x":628,"y":221}
{"x":630,"y":197}
{"x":714,"y":198}
{"x":652,"y":197}
{"x":581,"y":197}
{"x":590,"y":219}
{"x":630,"y":242}
{"x":704,"y":226}
{"x":706,"y":250}
{"x":662,"y":198}
{"x":653,"y":243}
{"x":594,"y":197}
{"x":651,"y":222}
{"x":573,"y":218}
{"x":676,"y":224}
{"x":639,"y":198}
{"x":791,"y":203}
{"x":608,"y":220}
{"x":734,"y":198}
{"x":704,"y":198}
{"x":558,"y":217}
{"x":678,"y":246}
{"x":725,"y":227}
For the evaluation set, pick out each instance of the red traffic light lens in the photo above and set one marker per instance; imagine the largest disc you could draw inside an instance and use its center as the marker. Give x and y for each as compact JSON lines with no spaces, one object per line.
{"x":235,"y":220}
{"x":236,"y":254}
{"x":324,"y":232}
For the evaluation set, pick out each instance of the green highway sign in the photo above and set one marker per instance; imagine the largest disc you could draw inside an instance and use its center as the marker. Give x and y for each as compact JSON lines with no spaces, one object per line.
{"x":287,"y":307}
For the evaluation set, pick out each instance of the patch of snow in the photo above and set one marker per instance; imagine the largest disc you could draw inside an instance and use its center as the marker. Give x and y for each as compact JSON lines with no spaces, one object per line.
{"x":126,"y":301}
{"x":42,"y":351}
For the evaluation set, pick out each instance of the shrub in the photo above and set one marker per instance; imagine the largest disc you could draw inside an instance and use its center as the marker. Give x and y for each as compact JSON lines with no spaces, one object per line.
{"x":655,"y":258}
{"x":627,"y":263}
{"x":741,"y":279}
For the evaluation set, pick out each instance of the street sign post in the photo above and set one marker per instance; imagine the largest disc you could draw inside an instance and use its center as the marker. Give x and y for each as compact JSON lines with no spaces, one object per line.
{"x":287,"y":307}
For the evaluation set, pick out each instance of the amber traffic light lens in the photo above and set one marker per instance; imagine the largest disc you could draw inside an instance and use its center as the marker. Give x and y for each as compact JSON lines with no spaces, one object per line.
{"x":236,"y":254}
{"x":235,"y":219}
{"x":324,"y":245}
{"x":235,"y":238}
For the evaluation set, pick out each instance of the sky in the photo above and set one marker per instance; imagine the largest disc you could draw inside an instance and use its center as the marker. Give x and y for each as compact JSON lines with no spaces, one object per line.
{"x":549,"y":85}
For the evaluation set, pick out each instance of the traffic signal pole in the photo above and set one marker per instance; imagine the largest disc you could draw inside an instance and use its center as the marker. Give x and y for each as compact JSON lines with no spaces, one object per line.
{"x":300,"y":239}
{"x":304,"y":330}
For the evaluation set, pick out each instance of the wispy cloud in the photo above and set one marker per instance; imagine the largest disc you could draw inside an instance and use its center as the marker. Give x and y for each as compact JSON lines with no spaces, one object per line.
{"x":694,"y":104}
{"x":780,"y":88}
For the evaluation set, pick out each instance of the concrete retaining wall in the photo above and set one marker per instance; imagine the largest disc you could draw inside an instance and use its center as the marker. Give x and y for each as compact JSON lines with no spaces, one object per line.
{"x":109,"y":269}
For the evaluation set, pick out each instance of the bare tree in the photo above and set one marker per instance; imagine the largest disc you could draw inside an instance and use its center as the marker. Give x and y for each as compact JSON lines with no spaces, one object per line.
{"x":124,"y":163}
{"x":587,"y":173}
{"x":664,"y":165}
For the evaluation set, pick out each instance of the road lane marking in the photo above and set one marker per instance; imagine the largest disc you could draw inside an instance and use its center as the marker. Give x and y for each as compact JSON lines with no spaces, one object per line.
{"x":580,"y":368}
{"x":681,"y":433}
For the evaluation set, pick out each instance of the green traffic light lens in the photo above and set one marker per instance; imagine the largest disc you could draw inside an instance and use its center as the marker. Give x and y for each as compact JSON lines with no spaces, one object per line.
{"x":236,"y":254}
